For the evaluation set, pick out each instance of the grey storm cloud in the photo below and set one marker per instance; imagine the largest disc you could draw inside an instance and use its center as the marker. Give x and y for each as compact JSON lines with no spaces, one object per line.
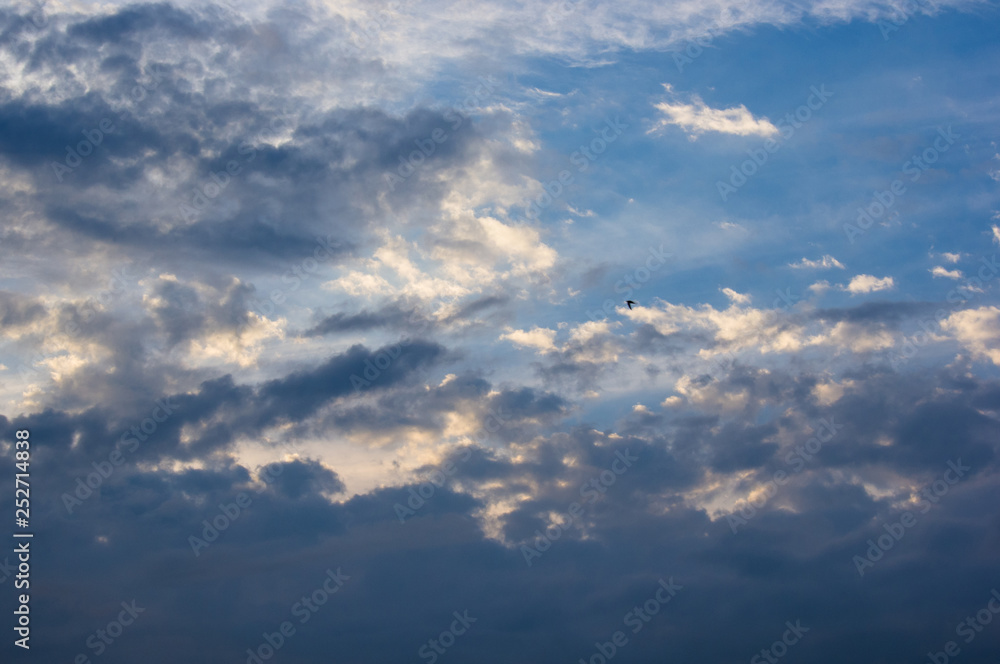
{"x":222,"y":409}
{"x":17,"y":310}
{"x":766,"y":574}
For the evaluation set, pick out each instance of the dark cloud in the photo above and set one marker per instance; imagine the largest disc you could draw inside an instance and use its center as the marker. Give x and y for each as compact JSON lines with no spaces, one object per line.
{"x":280,"y":546}
{"x":296,"y":479}
{"x":17,"y":310}
{"x":391,"y":316}
{"x":891,"y":313}
{"x":139,"y":20}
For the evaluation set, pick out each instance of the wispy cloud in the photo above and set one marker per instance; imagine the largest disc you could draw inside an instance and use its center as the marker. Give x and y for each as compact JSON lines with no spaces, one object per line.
{"x":939,"y":271}
{"x":696,"y":117}
{"x":824,"y":263}
{"x":734,"y":297}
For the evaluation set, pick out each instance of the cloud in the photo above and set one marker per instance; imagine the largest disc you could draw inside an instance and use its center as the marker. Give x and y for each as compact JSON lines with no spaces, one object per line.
{"x":866,"y":283}
{"x":825,"y":263}
{"x":820,"y":287}
{"x":392,"y":315}
{"x":939,"y":271}
{"x":290,"y":319}
{"x":16,"y":310}
{"x":978,"y":330}
{"x":539,"y":338}
{"x":858,"y":338}
{"x":734,"y":297}
{"x":697,"y":118}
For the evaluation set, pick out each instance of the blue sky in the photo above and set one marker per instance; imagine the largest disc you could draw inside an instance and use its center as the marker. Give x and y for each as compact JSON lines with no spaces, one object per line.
{"x":350,"y":279}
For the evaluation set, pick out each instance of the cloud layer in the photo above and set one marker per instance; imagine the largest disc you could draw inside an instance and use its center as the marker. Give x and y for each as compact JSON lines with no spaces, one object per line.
{"x":316,"y":315}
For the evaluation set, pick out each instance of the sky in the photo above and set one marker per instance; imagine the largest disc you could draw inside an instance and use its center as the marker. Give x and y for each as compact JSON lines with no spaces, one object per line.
{"x":431,"y":331}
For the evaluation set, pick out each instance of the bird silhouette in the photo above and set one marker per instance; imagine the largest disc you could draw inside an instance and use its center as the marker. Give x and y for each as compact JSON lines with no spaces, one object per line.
{"x":630,"y":303}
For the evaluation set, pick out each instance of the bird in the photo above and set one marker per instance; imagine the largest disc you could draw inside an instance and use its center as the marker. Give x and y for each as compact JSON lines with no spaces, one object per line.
{"x":630,"y":303}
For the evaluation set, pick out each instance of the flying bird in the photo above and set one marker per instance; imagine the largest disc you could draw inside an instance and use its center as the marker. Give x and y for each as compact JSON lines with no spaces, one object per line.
{"x":630,"y":303}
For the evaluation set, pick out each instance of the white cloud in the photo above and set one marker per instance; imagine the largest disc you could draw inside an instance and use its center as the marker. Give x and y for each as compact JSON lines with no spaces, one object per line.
{"x":996,"y":233}
{"x":360,"y":284}
{"x":866,"y":283}
{"x":697,"y":118}
{"x":830,"y":392}
{"x":820,"y":287}
{"x":824,"y":263}
{"x":584,"y":332}
{"x":732,"y":329}
{"x":978,"y":330}
{"x":939,"y":271}
{"x":858,"y":338}
{"x":715,"y":395}
{"x":734,"y":297}
{"x":951,"y":258}
{"x":243,"y":349}
{"x":540,"y":338}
